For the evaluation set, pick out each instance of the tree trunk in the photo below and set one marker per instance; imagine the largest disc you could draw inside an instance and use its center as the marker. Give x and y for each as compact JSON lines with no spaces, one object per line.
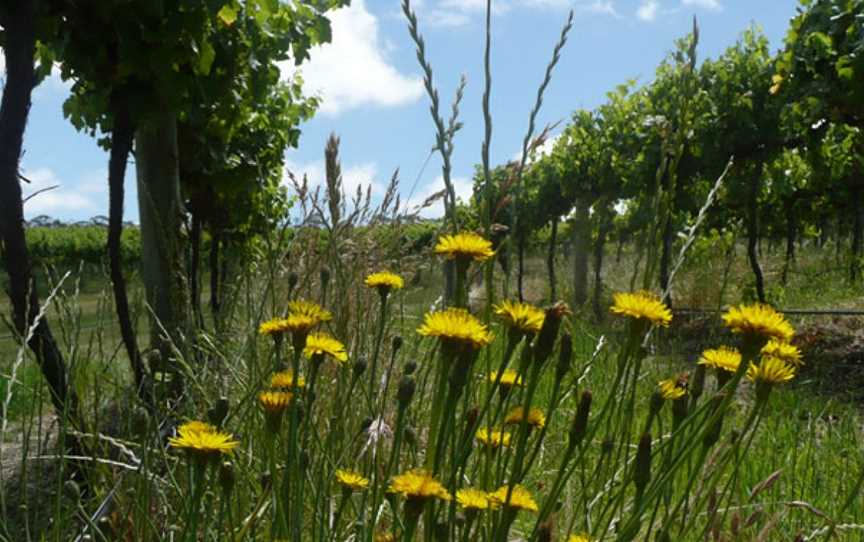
{"x":666,"y":260}
{"x":753,"y":233}
{"x":520,"y":272}
{"x":550,"y":260}
{"x":599,"y":248}
{"x":791,"y":234}
{"x":19,"y":51}
{"x":161,"y":213}
{"x":122,"y":136}
{"x":215,"y":245}
{"x":857,"y":233}
{"x":194,"y":270}
{"x":581,"y":249}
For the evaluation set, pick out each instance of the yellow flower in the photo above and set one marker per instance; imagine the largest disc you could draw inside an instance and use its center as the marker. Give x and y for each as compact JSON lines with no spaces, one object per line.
{"x":274,"y":326}
{"x":641,"y":306}
{"x":202,"y":439}
{"x":455,"y":326}
{"x":758,"y":319}
{"x":492,"y":438}
{"x":351,"y":480}
{"x":465,"y":245}
{"x":285,"y":380}
{"x":474,"y":499}
{"x":418,"y":484}
{"x":520,"y":498}
{"x":310,"y":309}
{"x":323,"y":344}
{"x":274,"y":402}
{"x":771,"y":371}
{"x":298,"y":323}
{"x":783,"y":350}
{"x":509,"y":378}
{"x":672,"y":389}
{"x":521,"y":316}
{"x":385,"y":281}
{"x":578,"y":538}
{"x":536,"y":418}
{"x":384,"y":537}
{"x":723,"y":358}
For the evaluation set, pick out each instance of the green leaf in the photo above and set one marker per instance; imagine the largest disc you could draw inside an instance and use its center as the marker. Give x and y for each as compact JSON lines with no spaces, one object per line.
{"x":228,"y":15}
{"x":206,"y":57}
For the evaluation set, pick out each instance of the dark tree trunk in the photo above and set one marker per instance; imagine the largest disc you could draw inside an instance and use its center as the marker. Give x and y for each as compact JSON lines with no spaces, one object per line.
{"x":194,"y":270}
{"x":19,"y":51}
{"x":753,"y":233}
{"x":550,"y":260}
{"x":666,"y":259}
{"x":791,"y":234}
{"x":520,"y":272}
{"x":215,"y":245}
{"x":599,"y":248}
{"x":122,"y":136}
{"x":581,"y":249}
{"x":162,"y":215}
{"x":857,"y":233}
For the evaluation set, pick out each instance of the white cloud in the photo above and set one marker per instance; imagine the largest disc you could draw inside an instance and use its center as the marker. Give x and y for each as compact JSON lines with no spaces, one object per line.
{"x":358,"y":175}
{"x":463,"y":186}
{"x":599,"y":7}
{"x":62,"y":201}
{"x":460,"y":12}
{"x":648,"y":10}
{"x":352,"y":71}
{"x":713,"y":5}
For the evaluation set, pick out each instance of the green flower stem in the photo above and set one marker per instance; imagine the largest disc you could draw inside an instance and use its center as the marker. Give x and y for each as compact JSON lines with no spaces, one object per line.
{"x":376,"y":352}
{"x":197,"y":484}
{"x":293,"y":462}
{"x":447,"y":358}
{"x":346,"y":496}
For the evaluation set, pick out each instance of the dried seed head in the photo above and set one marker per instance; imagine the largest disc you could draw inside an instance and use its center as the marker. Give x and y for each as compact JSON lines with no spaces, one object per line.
{"x":643,"y":463}
{"x":405,"y":393}
{"x":565,"y":356}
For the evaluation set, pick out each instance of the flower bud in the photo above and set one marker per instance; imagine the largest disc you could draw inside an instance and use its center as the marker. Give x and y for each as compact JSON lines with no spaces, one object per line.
{"x":359,"y":367}
{"x":227,"y":477}
{"x":406,"y":390}
{"x":396,"y":343}
{"x":293,"y":279}
{"x":565,"y":356}
{"x":580,"y":420}
{"x":409,"y":368}
{"x":546,"y":337}
{"x":218,"y":412}
{"x":642,"y":475}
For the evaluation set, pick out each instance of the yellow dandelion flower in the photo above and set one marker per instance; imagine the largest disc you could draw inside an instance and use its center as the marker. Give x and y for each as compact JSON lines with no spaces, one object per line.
{"x":641,"y":306}
{"x":285,"y":380}
{"x":457,"y":327}
{"x":418,"y":484}
{"x":771,"y":371}
{"x":465,"y":246}
{"x":520,"y":498}
{"x":385,"y":281}
{"x":758,"y":319}
{"x":578,"y":538}
{"x":492,"y":438}
{"x":274,"y":326}
{"x":521,"y":316}
{"x":274,"y":402}
{"x":308,"y":308}
{"x":783,"y":350}
{"x":321,"y":344}
{"x":197,"y":426}
{"x":298,"y":323}
{"x":202,"y":439}
{"x":351,"y":480}
{"x":474,"y":499}
{"x":723,"y":358}
{"x":672,"y":389}
{"x":536,"y":418}
{"x":509,"y":378}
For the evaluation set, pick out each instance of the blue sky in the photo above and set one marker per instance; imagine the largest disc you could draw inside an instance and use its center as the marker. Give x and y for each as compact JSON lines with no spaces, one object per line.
{"x":373,"y":97}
